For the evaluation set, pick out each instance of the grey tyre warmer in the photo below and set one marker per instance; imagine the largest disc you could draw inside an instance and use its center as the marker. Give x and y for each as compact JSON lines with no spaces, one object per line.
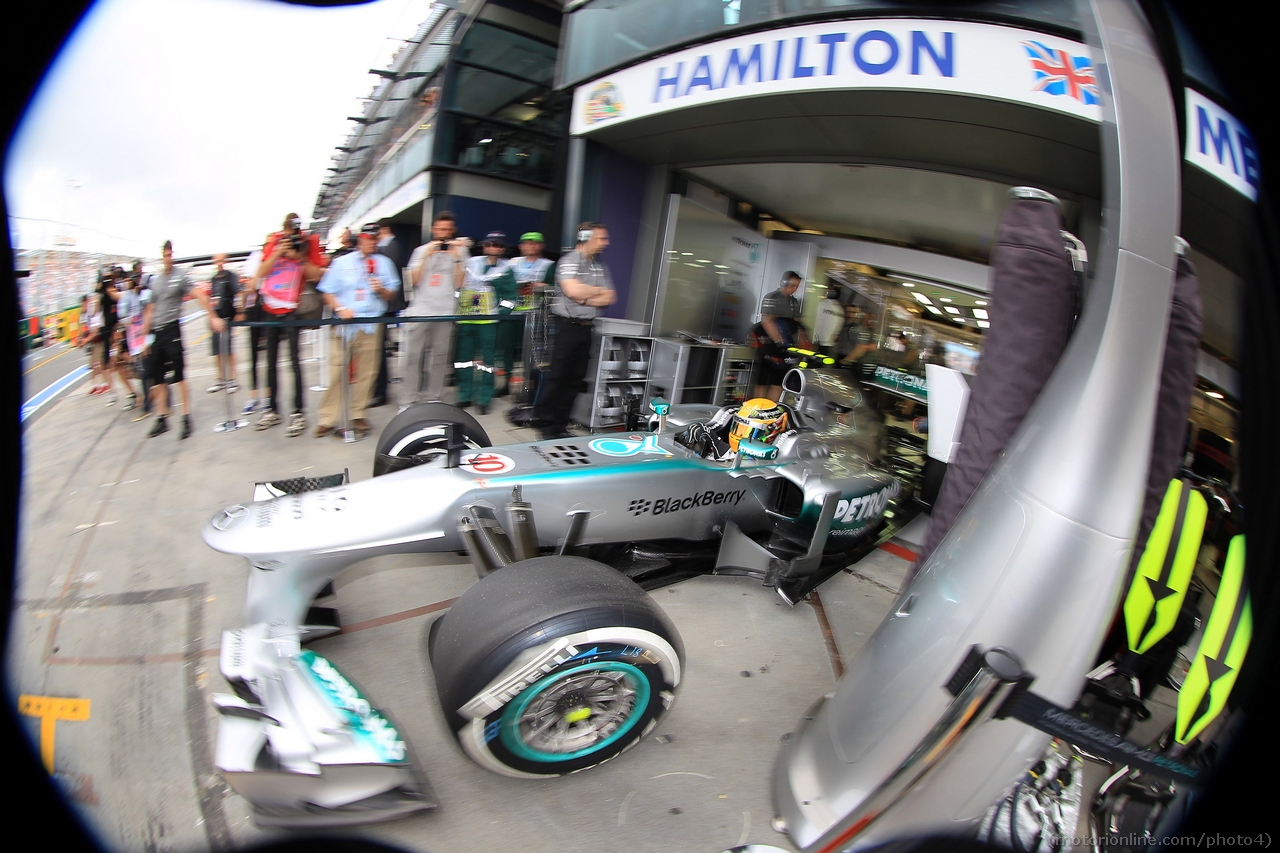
{"x":1017,"y":362}
{"x":1033,"y":299}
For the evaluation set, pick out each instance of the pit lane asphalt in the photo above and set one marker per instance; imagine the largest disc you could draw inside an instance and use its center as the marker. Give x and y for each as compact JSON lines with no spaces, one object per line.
{"x":120,"y":602}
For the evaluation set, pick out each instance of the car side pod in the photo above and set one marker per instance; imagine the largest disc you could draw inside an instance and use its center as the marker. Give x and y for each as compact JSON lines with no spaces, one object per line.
{"x":302,"y":744}
{"x":1035,"y":562}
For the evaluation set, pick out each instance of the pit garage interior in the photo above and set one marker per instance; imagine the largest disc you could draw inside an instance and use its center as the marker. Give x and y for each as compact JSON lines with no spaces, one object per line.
{"x":888,"y":196}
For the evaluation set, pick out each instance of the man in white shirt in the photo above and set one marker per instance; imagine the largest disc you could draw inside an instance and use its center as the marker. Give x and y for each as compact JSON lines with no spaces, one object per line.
{"x":826,"y":328}
{"x":436,"y":271}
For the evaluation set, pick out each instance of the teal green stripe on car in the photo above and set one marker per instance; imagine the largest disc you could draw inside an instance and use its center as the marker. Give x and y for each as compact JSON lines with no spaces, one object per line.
{"x":588,"y":472}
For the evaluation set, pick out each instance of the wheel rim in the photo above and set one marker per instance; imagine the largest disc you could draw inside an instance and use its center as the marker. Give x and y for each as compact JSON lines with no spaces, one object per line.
{"x":576,"y":712}
{"x":427,"y":446}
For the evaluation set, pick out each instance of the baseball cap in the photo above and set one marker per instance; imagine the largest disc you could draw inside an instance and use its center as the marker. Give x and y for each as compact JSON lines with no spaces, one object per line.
{"x":532,"y":237}
{"x":496,"y":237}
{"x":370,"y":229}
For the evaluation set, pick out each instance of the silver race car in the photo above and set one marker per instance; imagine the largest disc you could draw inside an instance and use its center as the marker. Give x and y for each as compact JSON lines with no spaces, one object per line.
{"x":553,"y":665}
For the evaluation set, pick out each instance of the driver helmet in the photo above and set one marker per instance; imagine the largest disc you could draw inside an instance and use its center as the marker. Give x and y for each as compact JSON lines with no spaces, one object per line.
{"x":760,"y":419}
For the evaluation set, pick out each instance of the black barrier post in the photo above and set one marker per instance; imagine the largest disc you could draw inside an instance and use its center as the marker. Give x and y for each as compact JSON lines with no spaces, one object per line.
{"x":344,"y":380}
{"x":321,"y":342}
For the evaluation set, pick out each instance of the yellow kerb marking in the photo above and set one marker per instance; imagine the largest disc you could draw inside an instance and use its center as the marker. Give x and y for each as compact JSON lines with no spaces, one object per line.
{"x":50,"y":709}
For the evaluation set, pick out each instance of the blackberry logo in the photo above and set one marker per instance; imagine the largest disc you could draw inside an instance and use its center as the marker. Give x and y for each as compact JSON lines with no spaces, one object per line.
{"x":662,"y":506}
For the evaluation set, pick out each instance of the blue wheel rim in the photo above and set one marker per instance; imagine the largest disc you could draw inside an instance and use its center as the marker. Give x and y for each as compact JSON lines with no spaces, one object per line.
{"x":509,"y":725}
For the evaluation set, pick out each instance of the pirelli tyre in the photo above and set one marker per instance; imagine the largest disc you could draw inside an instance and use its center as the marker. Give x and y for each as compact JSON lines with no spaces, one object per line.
{"x":553,"y":665}
{"x":418,"y":436}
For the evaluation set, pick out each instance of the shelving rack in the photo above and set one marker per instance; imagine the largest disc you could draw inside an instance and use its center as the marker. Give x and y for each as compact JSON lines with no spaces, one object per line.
{"x":714,"y":374}
{"x":619,"y":368}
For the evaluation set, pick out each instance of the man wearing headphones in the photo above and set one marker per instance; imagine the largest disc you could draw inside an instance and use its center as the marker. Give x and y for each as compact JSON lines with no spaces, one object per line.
{"x":585,"y":287}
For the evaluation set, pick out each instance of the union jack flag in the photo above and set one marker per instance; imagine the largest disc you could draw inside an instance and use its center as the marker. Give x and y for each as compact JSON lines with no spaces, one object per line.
{"x":1059,"y":73}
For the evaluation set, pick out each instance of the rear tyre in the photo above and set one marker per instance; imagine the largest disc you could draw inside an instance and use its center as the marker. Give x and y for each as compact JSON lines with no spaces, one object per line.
{"x":554,"y":665}
{"x":418,"y":436}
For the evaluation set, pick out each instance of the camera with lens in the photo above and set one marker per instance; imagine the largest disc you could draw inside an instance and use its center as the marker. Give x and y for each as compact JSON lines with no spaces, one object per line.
{"x":297,"y":242}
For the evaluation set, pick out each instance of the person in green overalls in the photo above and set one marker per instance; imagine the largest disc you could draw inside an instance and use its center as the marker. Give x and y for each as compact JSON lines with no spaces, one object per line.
{"x":488,"y":289}
{"x":534,"y":274}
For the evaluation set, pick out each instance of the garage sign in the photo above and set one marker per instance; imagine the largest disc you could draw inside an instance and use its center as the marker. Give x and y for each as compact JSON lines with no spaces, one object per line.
{"x":1218,"y":143}
{"x":965,"y":58}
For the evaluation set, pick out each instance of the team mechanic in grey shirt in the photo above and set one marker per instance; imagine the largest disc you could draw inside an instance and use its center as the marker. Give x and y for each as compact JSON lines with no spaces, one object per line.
{"x":781,"y":304}
{"x":585,"y":287}
{"x":168,"y":289}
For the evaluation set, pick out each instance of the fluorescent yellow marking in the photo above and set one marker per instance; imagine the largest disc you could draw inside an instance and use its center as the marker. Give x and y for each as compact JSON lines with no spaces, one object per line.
{"x":577,"y":715}
{"x":1222,"y":649}
{"x":50,"y":709}
{"x":1143,"y":611}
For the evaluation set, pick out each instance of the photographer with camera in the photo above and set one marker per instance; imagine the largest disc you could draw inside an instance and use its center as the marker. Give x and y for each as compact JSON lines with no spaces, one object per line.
{"x":293,"y":227}
{"x":283,"y":271}
{"x":436,"y":271}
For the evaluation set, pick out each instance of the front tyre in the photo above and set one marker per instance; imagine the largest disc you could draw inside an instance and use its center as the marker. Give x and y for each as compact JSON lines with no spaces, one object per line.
{"x":419,"y":436}
{"x":554,"y":665}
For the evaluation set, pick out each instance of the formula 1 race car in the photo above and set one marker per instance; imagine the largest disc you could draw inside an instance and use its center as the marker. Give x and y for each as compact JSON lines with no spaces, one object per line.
{"x":563,"y":661}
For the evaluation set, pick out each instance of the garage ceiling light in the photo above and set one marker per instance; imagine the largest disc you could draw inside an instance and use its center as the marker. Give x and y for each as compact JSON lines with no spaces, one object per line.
{"x":924,"y":299}
{"x":983,"y":324}
{"x":934,"y":310}
{"x":959,"y":320}
{"x":951,"y":310}
{"x":945,"y":299}
{"x":979,"y":302}
{"x":908,"y":284}
{"x":980,"y":313}
{"x":1214,"y":394}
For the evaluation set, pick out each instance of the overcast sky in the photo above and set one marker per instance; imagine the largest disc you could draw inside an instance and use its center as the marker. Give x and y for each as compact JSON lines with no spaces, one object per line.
{"x":200,"y":121}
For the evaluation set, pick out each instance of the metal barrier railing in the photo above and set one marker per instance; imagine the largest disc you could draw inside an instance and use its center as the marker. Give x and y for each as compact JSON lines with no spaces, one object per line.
{"x":345,"y":432}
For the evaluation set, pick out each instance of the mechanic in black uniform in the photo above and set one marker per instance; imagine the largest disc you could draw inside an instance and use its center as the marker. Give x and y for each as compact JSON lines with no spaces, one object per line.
{"x":585,"y":287}
{"x":779,"y":312}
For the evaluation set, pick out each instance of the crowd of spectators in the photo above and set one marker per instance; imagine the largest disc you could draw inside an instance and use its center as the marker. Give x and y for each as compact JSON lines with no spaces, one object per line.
{"x":134,"y":339}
